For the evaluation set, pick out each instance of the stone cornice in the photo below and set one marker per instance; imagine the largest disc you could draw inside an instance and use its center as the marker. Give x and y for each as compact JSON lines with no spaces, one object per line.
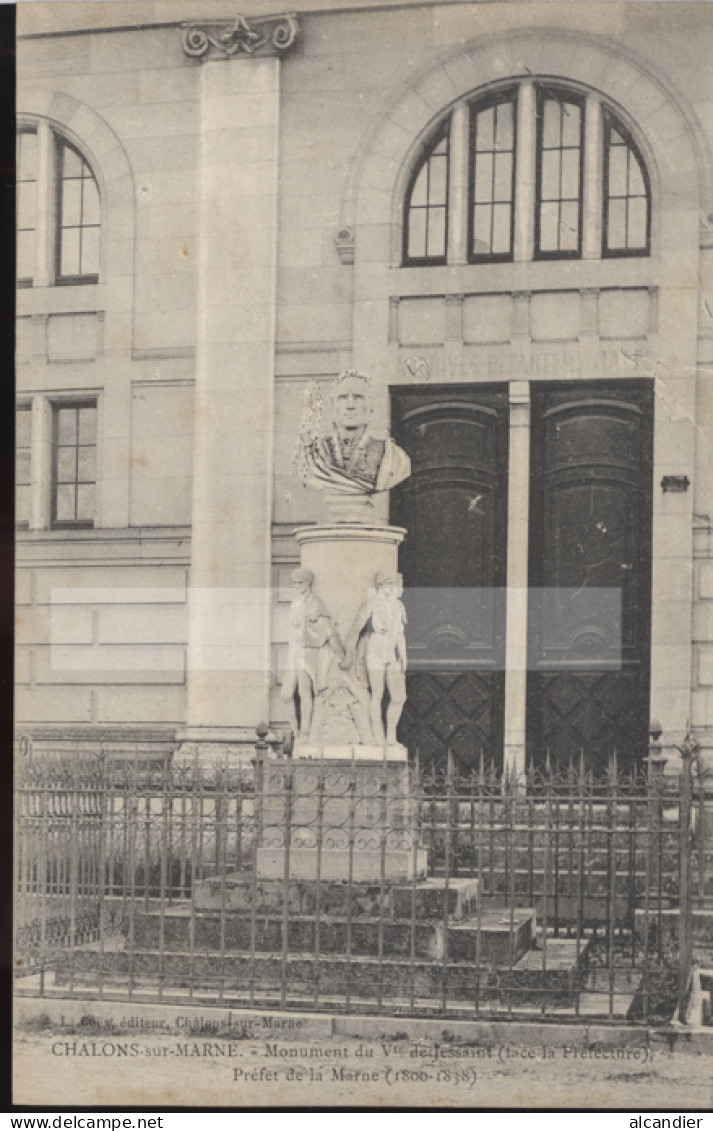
{"x":243,"y":36}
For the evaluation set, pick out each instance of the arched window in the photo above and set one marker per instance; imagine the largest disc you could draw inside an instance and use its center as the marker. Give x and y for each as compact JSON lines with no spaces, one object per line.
{"x":627,"y":214}
{"x":550,"y":172}
{"x":58,"y":210}
{"x":426,"y":227}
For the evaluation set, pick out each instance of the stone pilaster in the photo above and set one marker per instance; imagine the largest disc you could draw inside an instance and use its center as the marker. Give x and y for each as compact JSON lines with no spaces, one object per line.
{"x":229,"y":626}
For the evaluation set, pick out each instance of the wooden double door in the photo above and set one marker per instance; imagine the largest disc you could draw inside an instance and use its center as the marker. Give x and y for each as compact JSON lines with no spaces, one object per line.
{"x":588,"y":625}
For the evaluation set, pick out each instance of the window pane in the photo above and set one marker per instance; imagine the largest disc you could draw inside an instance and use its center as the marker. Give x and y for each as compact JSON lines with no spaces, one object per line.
{"x":569,"y":226}
{"x":442,"y":146}
{"x":549,"y":214}
{"x":90,"y":251}
{"x":87,"y":471}
{"x":481,"y":235}
{"x":90,"y":202}
{"x":616,"y":224}
{"x":418,"y":193}
{"x":66,"y":465}
{"x":637,"y":222}
{"x":617,"y":170}
{"x":71,"y":162}
{"x":484,"y":177}
{"x":65,"y":504}
{"x":484,"y":136}
{"x":503,"y":125}
{"x":437,"y":181}
{"x":69,"y":261}
{"x":503,"y":176}
{"x":67,"y":425}
{"x":71,"y":203}
{"x":22,"y":467}
{"x":22,"y":504}
{"x":25,"y":255}
{"x":501,"y":229}
{"x":436,"y":231}
{"x":551,"y":124}
{"x":23,"y":425}
{"x":87,"y":425}
{"x":570,"y":174}
{"x":550,"y":186}
{"x":571,"y":124}
{"x":636,"y":180}
{"x":85,"y":501}
{"x":417,"y":233}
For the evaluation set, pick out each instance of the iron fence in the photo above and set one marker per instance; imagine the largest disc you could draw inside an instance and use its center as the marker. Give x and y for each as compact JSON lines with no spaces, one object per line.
{"x":358,"y":887}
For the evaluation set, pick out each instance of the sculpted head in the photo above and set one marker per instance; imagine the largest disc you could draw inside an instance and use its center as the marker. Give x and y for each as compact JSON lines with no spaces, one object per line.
{"x":303,"y":579}
{"x":389,"y":584}
{"x":352,"y":401}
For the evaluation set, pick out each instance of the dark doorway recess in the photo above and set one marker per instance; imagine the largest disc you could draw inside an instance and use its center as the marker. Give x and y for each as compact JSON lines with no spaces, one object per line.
{"x":590,"y":572}
{"x":454,"y":507}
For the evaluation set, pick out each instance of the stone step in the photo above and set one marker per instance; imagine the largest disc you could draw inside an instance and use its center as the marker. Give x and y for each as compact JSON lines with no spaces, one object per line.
{"x":491,"y":937}
{"x":495,"y":936}
{"x":362,"y":977}
{"x":424,"y":899}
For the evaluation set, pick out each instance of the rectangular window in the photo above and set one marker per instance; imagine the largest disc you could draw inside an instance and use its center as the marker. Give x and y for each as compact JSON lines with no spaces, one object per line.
{"x":560,"y":127}
{"x":23,"y":427}
{"x":78,"y":218}
{"x":26,"y":206}
{"x":492,"y":178}
{"x":74,"y":453}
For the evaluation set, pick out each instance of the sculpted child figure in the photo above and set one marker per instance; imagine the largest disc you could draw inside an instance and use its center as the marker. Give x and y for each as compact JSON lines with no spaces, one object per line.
{"x":377,"y":646}
{"x":314,"y":646}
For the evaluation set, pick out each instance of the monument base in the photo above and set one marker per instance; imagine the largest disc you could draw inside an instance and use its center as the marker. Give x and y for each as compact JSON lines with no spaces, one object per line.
{"x":393,"y":865}
{"x":345,"y":818}
{"x":395,"y":752}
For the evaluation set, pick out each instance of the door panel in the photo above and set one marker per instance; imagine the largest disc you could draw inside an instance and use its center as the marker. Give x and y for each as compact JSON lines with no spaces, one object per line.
{"x":590,"y":572}
{"x":453,"y":561}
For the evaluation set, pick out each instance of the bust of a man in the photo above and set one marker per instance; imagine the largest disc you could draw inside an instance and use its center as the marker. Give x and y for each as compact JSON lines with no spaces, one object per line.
{"x":352,"y":460}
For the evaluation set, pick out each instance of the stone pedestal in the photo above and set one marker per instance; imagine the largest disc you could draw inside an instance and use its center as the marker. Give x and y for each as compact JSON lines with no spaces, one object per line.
{"x":345,"y":559}
{"x":338,"y":820}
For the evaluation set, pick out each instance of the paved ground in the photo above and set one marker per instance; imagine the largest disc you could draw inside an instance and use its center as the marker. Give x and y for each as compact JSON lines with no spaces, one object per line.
{"x":93,"y":1065}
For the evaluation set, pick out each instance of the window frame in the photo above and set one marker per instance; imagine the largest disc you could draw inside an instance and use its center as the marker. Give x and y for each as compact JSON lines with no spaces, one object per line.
{"x":61,"y":143}
{"x":443,"y":132}
{"x":23,"y":406}
{"x":475,"y":106}
{"x":55,"y":407}
{"x":598,"y":114}
{"x":27,"y":128}
{"x":611,"y":122}
{"x":50,"y":141}
{"x":561,"y":95}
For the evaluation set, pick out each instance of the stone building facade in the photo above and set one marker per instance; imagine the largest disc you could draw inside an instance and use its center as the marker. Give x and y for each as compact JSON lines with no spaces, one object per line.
{"x":503,"y":213}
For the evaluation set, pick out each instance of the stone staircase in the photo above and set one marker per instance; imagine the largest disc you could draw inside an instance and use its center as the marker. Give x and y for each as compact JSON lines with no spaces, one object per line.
{"x":427,"y":940}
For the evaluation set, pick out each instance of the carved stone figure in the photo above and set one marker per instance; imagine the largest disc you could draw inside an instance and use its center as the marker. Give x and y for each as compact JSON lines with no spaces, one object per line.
{"x":352,"y":463}
{"x":314,"y":648}
{"x":376,"y":646}
{"x":333,"y":706}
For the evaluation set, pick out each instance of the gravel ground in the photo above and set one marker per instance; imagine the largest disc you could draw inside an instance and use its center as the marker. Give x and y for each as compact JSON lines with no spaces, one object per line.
{"x":101,"y":1065}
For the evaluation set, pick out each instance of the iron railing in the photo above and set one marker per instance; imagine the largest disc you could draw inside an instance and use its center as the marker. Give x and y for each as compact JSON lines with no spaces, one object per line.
{"x":552,"y":893}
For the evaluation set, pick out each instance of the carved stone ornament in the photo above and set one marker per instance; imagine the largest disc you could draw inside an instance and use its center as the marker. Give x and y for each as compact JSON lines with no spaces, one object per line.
{"x":344,"y":242}
{"x":266,"y":35}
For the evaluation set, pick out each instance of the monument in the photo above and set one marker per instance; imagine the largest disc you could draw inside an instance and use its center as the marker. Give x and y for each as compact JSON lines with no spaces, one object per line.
{"x":344,"y":683}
